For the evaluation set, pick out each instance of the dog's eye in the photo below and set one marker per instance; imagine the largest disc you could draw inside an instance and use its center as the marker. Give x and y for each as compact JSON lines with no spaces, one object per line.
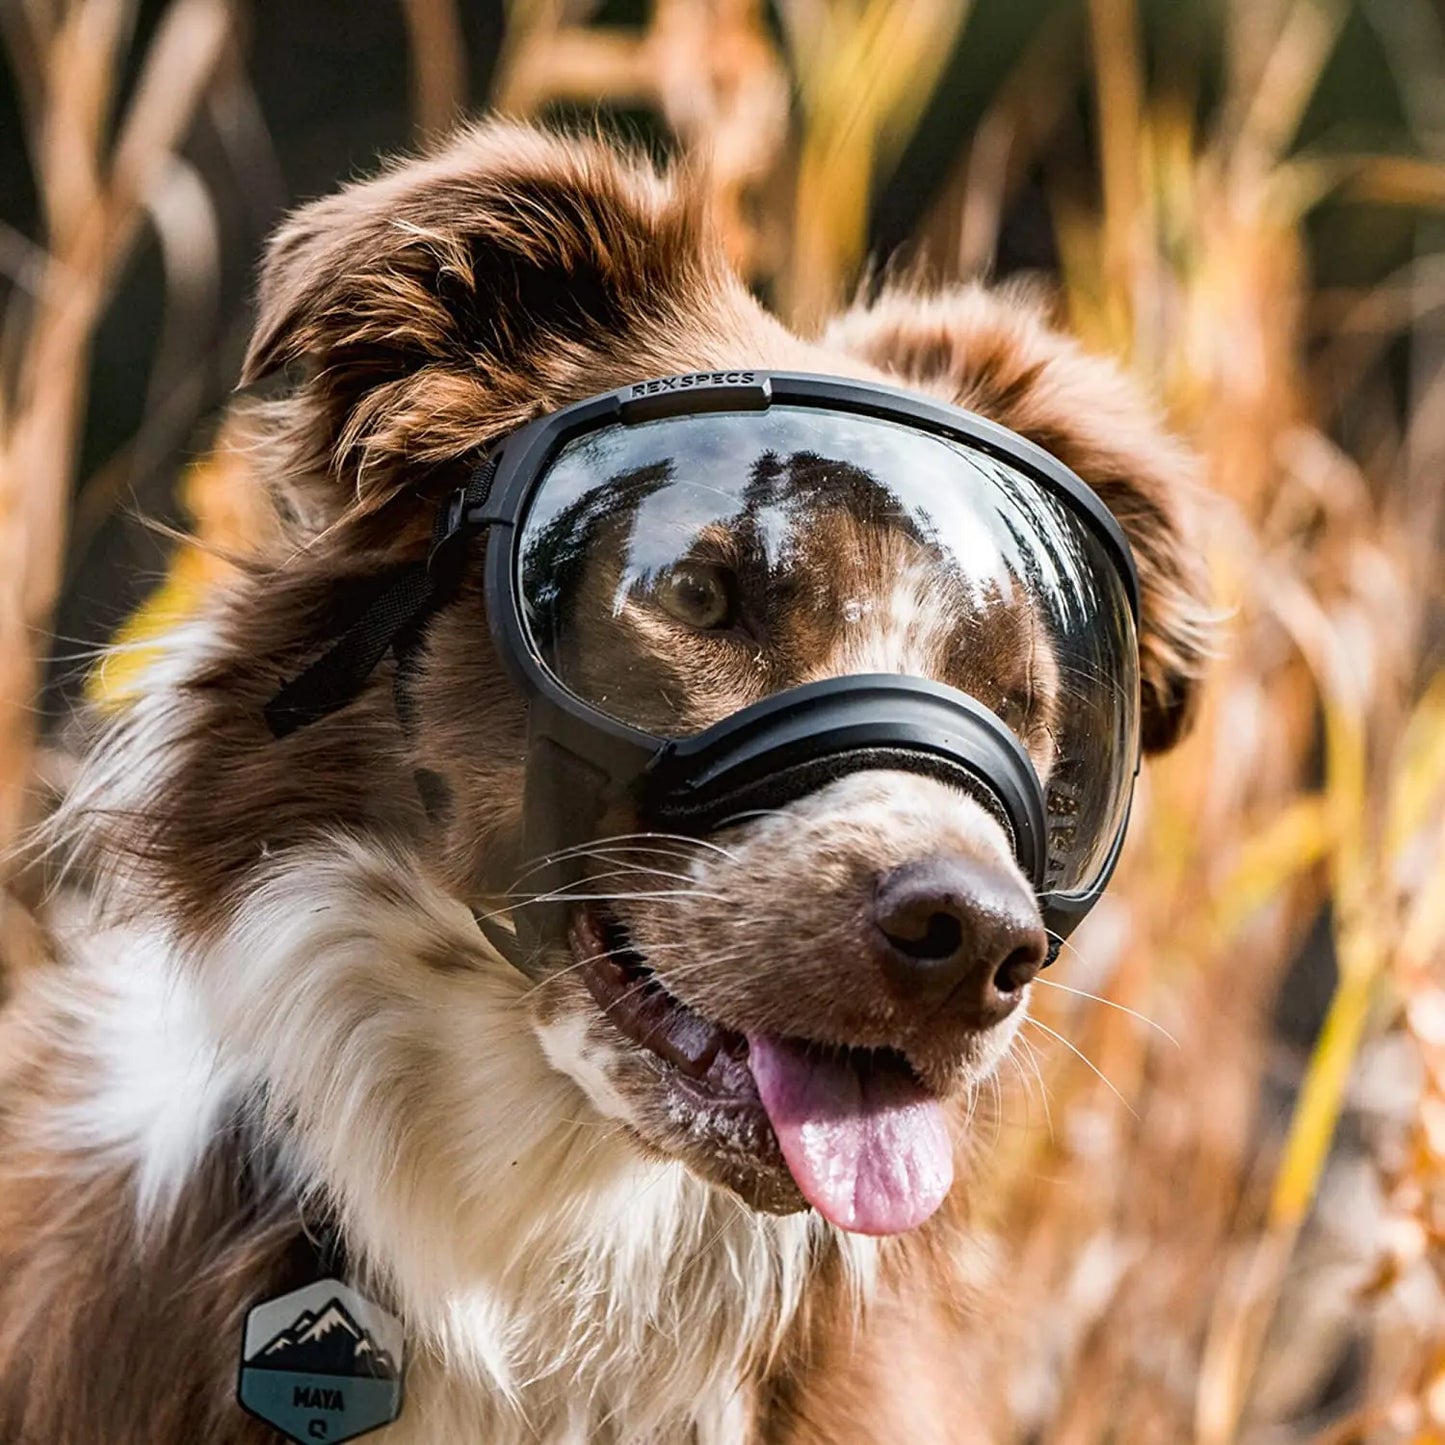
{"x":699,"y":595}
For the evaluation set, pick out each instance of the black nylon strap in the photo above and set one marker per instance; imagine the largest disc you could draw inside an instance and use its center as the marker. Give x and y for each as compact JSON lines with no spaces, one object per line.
{"x":338,"y":675}
{"x":395,"y":617}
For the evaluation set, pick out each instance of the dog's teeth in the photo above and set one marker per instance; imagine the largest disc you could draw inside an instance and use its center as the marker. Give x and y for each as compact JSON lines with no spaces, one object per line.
{"x":694,"y":1039}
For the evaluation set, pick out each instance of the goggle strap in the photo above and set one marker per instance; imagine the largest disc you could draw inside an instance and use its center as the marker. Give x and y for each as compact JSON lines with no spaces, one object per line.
{"x":394,"y":620}
{"x":338,"y":676}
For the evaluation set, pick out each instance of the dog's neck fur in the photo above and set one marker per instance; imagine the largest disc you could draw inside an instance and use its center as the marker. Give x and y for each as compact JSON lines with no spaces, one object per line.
{"x":546,"y":1279}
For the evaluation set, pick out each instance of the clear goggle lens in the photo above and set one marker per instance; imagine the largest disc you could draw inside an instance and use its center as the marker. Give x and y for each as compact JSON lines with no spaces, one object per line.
{"x":674,"y":572}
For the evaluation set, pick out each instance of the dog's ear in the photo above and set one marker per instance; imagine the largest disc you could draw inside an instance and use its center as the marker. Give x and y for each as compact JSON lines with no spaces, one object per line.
{"x":459,"y":294}
{"x":994,"y":352}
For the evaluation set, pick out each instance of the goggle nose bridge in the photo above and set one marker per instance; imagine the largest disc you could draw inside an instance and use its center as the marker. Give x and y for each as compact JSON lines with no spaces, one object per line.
{"x":767,"y":756}
{"x":786,"y":746}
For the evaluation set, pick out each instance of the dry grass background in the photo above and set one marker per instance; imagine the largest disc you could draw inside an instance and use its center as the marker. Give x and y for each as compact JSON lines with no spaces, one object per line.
{"x":1207,"y":1238}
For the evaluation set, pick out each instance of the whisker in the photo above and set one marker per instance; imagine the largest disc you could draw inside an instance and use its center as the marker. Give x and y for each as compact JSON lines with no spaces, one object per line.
{"x":1013,"y":1062}
{"x":598,"y":878}
{"x":607,"y":851}
{"x":639,"y":987}
{"x":997,"y":1089}
{"x":675,"y":971}
{"x":577,"y":963}
{"x":561,"y":895}
{"x":706,"y":844}
{"x":975,"y":1099}
{"x":1079,"y":1054}
{"x":1066,"y":943}
{"x":623,"y":872}
{"x":1038,"y":1072}
{"x":747,"y":813}
{"x":1109,"y":1003}
{"x":651,"y":894}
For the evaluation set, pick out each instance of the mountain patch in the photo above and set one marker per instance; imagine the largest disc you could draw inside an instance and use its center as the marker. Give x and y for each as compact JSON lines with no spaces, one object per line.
{"x":327,"y":1341}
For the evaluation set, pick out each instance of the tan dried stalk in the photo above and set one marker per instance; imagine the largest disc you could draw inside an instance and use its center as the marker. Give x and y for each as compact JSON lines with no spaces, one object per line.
{"x":708,"y":67}
{"x":792,"y":203}
{"x":438,"y":63}
{"x":865,"y":72}
{"x":93,"y":191}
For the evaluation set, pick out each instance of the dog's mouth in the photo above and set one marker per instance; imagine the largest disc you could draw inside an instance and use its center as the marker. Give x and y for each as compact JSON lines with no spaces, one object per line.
{"x":850,"y":1131}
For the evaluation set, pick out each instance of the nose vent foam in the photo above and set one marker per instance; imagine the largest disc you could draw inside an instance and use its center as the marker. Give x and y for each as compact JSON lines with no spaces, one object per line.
{"x":790,"y":745}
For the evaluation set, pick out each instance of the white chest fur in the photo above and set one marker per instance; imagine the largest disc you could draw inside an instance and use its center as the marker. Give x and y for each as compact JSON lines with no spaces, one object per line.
{"x":555,"y":1283}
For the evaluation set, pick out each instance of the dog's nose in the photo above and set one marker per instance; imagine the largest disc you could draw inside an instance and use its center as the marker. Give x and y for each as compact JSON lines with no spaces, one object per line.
{"x":959,"y":933}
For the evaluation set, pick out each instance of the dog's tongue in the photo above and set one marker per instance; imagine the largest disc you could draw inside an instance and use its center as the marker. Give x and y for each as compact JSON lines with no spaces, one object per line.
{"x":868,"y":1148}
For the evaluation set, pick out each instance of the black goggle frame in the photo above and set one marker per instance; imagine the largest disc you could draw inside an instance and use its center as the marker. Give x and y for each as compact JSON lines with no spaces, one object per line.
{"x":581,"y":761}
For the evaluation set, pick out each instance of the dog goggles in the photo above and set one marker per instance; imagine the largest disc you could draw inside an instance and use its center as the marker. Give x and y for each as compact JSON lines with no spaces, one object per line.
{"x":721,"y":591}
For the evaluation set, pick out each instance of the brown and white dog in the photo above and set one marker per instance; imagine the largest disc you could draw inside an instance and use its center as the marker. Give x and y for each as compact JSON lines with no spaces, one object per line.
{"x":272,"y":1005}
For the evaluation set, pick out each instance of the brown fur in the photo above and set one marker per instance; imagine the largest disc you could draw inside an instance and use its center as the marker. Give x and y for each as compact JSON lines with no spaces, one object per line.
{"x":422,"y":315}
{"x":916,"y":1373}
{"x":108,"y":1334}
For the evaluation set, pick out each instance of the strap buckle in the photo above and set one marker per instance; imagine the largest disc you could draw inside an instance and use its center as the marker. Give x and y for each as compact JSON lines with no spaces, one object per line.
{"x":448,"y":548}
{"x":454,"y":522}
{"x":452,"y":518}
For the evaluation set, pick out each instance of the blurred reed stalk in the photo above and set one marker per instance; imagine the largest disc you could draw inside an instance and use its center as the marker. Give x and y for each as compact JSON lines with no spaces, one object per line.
{"x":97,"y":177}
{"x":865,"y":71}
{"x":791,"y":199}
{"x":438,"y":64}
{"x":709,"y":69}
